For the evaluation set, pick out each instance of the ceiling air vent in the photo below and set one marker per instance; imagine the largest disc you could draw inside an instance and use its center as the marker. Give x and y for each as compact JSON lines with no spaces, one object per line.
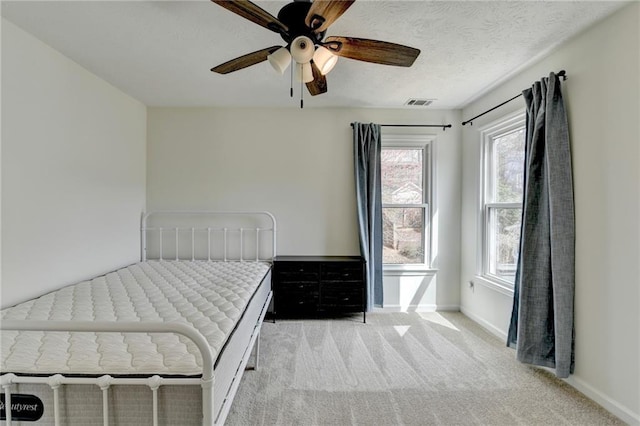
{"x":419,"y":102}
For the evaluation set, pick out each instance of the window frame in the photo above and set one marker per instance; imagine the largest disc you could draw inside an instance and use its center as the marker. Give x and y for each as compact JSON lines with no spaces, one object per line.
{"x":501,"y":127}
{"x":426,"y":143}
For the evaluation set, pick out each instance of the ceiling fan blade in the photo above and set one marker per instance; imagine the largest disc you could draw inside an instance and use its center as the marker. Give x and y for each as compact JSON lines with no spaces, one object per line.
{"x":325,"y":12}
{"x":319,"y":84}
{"x":245,"y":60}
{"x":378,"y":52}
{"x":254,"y":13}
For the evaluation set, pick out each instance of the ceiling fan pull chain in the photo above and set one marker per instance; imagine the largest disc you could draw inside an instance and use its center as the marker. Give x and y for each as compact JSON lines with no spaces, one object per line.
{"x":291,"y":88}
{"x":301,"y":89}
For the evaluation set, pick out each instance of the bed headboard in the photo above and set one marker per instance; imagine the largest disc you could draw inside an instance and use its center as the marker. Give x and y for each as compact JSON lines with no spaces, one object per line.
{"x":208,"y":235}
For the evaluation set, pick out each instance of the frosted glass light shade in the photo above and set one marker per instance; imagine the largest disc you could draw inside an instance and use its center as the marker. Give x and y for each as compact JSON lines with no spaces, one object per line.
{"x":304,"y":72}
{"x":324,"y":59}
{"x":280,"y":59}
{"x":302,"y":49}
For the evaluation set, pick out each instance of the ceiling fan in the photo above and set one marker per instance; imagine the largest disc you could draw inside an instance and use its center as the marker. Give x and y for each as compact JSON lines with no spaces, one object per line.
{"x":303,"y":24}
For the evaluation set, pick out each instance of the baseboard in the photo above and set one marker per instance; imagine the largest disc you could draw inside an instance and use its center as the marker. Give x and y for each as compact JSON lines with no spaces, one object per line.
{"x":485,"y":324}
{"x":615,"y":408}
{"x":418,"y":308}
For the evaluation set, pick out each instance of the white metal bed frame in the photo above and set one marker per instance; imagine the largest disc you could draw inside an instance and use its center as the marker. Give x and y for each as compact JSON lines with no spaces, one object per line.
{"x":154,"y":382}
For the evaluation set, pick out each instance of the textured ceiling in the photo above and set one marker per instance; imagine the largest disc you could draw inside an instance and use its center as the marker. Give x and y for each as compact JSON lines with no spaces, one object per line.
{"x":160,"y":52}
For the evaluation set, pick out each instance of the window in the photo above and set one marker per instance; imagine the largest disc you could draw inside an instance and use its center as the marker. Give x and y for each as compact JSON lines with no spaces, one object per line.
{"x":501,"y":195}
{"x":405,"y":173}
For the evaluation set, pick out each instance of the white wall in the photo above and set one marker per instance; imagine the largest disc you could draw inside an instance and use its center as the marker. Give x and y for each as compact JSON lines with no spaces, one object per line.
{"x":602,"y":95}
{"x":297,"y":164}
{"x":73,"y":170}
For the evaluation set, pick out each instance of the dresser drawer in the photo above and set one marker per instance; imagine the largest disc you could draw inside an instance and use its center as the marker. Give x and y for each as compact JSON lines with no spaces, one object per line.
{"x":344,"y":295}
{"x":298,"y":287}
{"x":342,"y":272}
{"x":289,"y":303}
{"x":297,"y":272}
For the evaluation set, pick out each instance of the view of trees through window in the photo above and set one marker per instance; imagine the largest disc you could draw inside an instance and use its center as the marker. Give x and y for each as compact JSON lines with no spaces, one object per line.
{"x":403,"y":212}
{"x":507,"y":187}
{"x":509,"y":152}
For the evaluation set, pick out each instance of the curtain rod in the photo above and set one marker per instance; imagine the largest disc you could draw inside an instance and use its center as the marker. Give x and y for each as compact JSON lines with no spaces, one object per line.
{"x":444,"y":126}
{"x":561,"y":73}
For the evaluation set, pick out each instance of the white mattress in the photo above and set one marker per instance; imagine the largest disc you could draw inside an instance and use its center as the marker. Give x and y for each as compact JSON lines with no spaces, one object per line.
{"x":210,"y":296}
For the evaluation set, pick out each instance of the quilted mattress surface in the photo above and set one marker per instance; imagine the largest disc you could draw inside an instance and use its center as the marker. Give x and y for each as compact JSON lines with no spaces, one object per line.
{"x":209,"y":296}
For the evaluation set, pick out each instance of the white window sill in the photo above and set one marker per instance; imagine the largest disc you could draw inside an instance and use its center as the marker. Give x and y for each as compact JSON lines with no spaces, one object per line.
{"x":407,"y":270}
{"x":494,"y":285}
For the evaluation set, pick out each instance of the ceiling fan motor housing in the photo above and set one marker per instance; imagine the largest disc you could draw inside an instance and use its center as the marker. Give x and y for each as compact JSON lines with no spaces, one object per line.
{"x":293,"y":16}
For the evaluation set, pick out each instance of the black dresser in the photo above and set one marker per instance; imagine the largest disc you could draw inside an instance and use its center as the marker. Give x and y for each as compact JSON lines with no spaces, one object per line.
{"x":305,"y":286}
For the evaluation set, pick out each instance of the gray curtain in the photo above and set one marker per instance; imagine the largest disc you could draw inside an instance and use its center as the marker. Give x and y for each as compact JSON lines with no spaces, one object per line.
{"x":542,"y":329}
{"x":366,"y":153}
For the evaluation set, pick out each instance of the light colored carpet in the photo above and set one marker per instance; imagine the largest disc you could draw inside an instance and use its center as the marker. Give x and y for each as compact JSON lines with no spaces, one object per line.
{"x":400,"y":369}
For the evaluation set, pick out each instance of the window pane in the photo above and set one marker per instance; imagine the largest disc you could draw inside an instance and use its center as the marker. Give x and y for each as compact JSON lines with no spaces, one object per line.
{"x":402,"y":235}
{"x":508,"y":168}
{"x":402,"y":176}
{"x":504,"y":238}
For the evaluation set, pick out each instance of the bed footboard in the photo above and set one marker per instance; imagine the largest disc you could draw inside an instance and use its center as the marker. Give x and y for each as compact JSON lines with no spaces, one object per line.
{"x":104,"y":382}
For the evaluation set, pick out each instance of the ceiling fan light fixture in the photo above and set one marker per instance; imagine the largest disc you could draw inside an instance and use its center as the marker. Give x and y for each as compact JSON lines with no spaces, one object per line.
{"x":324,"y":59}
{"x":304,"y":72}
{"x":302,"y":49}
{"x":280,"y":59}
